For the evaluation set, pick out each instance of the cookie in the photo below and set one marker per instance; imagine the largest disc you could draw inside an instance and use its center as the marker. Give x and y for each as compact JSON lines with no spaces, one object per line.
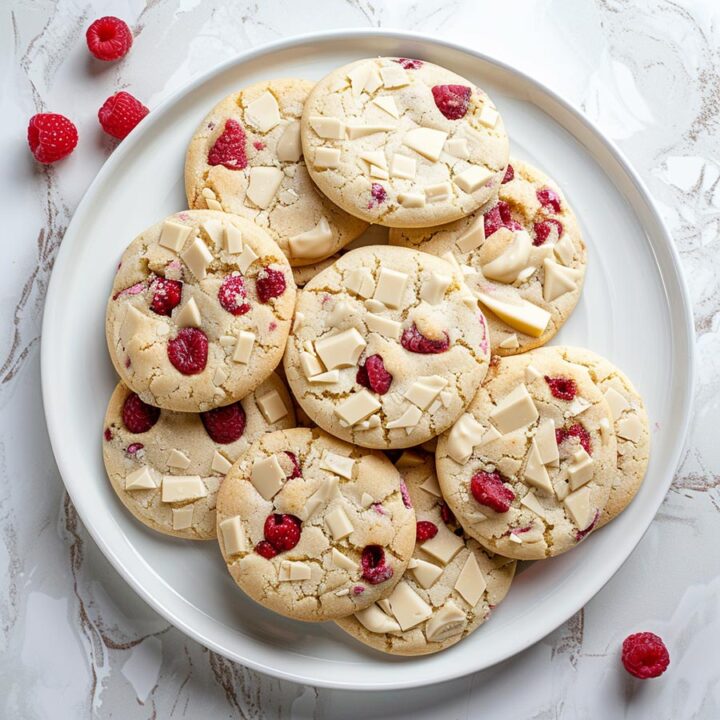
{"x":314,"y":528}
{"x":403,"y":143}
{"x":524,"y":256}
{"x":450,"y":586}
{"x":388,"y":347}
{"x":166,"y":466}
{"x":246,"y":158}
{"x":527,"y":470}
{"x":200,"y":311}
{"x":631,"y":426}
{"x":304,"y":274}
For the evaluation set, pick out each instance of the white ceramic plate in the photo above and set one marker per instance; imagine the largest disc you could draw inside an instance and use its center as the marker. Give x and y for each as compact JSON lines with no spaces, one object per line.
{"x":634,"y":310}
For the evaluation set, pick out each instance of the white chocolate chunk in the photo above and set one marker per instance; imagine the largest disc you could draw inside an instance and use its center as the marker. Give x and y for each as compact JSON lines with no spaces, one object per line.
{"x":339,"y":314}
{"x":178,"y":459}
{"x":433,"y":289}
{"x":438,"y":193}
{"x":326,"y":158}
{"x":394,"y":76}
{"x":535,"y":473}
{"x":376,"y":621}
{"x":188,"y":315}
{"x":471,"y":582}
{"x":182,"y":517}
{"x":488,"y":115}
{"x":267,"y":477}
{"x":520,"y":315}
{"x":338,"y":523}
{"x":298,"y":321}
{"x":558,"y":280}
{"x":197,"y":257}
{"x":289,"y":147}
{"x":357,"y":407}
{"x":524,"y":275}
{"x":293,"y":571}
{"x":360,"y":281}
{"x":531,"y":502}
{"x":244,"y":347}
{"x":326,"y":378}
{"x":546,"y":442}
{"x":390,"y":287}
{"x":233,"y":535}
{"x":374,"y":157}
{"x":272,"y":406}
{"x":458,"y":147}
{"x":580,"y":471}
{"x":356,"y":130}
{"x":264,"y":113}
{"x":510,"y":342}
{"x":341,"y":350}
{"x":515,"y":538}
{"x":565,"y":250}
{"x":444,"y":546}
{"x":578,"y":506}
{"x":409,"y":419}
{"x":408,"y":607}
{"x":514,"y":411}
{"x":220,"y":376}
{"x":310,"y":364}
{"x":133,"y":322}
{"x":605,"y":431}
{"x":213,"y":205}
{"x":473,"y":237}
{"x":617,"y":402}
{"x":506,"y":267}
{"x":326,"y":490}
{"x":424,"y":390}
{"x":327,"y":128}
{"x":403,"y":167}
{"x":220,"y":464}
{"x":378,"y":173}
{"x":358,"y":77}
{"x":430,"y":485}
{"x":143,"y":478}
{"x":232,"y":239}
{"x":446,"y":622}
{"x":246,"y":258}
{"x":215,"y":229}
{"x":342,"y":561}
{"x":426,"y":573}
{"x":473,"y":178}
{"x":446,"y":397}
{"x":173,"y":235}
{"x":312,"y":243}
{"x":387,"y":103}
{"x":532,"y":374}
{"x":411,"y":199}
{"x":383,"y":326}
{"x":263,"y":185}
{"x":426,"y":141}
{"x":578,"y":406}
{"x":179,"y":488}
{"x":338,"y":464}
{"x":630,"y":428}
{"x":466,"y":433}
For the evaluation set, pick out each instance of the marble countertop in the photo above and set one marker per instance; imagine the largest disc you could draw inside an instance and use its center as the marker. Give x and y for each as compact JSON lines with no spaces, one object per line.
{"x":76,"y":641}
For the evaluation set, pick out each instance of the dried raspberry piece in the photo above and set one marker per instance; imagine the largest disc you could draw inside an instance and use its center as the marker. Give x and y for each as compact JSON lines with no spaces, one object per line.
{"x":232,"y":293}
{"x":645,"y":655}
{"x":224,"y":424}
{"x":509,"y":175}
{"x":372,"y":374}
{"x":407,"y":502}
{"x":544,"y":228}
{"x":578,"y":430}
{"x":425,"y":530}
{"x":562,"y":388}
{"x":499,"y":216}
{"x":134,"y":448}
{"x":270,"y":284}
{"x":138,"y":416}
{"x":452,"y":100}
{"x":414,"y":341}
{"x":377,"y":195}
{"x":108,"y":434}
{"x":109,"y":38}
{"x":265,"y":549}
{"x":447,"y":515}
{"x":120,"y":113}
{"x":549,"y":198}
{"x":282,"y":531}
{"x":188,"y":351}
{"x":258,"y":145}
{"x":135,"y":289}
{"x":51,"y":137}
{"x":488,"y":489}
{"x":409,"y":63}
{"x":374,"y":569}
{"x":229,"y":149}
{"x":296,"y":471}
{"x":166,"y":295}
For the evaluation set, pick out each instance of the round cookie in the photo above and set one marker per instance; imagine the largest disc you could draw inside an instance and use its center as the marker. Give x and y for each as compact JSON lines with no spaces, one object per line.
{"x":200,"y":311}
{"x":144,"y":446}
{"x":631,"y":426}
{"x":388,"y":347}
{"x":403,"y":143}
{"x":524,"y":255}
{"x":450,"y":586}
{"x":527,"y":470}
{"x":246,"y":158}
{"x":314,"y":528}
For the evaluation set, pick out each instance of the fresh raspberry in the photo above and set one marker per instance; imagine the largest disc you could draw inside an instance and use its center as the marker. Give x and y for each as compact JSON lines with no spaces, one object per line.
{"x":229,"y":149}
{"x":544,"y":228}
{"x":296,"y":470}
{"x":138,"y":416}
{"x":108,"y":434}
{"x":414,"y":341}
{"x":232,"y":293}
{"x":282,"y":531}
{"x":645,"y":655}
{"x":452,"y":100}
{"x":377,"y":195}
{"x":489,"y":489}
{"x":109,"y":38}
{"x":270,"y":284}
{"x":188,"y":351}
{"x":265,"y":549}
{"x":549,"y":198}
{"x":166,"y":295}
{"x":499,"y":216}
{"x":447,"y":515}
{"x":135,"y":289}
{"x":224,"y":424}
{"x":409,"y":63}
{"x":562,"y":388}
{"x":134,"y":448}
{"x":51,"y":137}
{"x":407,"y":502}
{"x":120,"y":113}
{"x":374,"y":569}
{"x":509,"y":175}
{"x":372,"y":374}
{"x":425,"y":530}
{"x":578,"y":431}
{"x":378,"y":508}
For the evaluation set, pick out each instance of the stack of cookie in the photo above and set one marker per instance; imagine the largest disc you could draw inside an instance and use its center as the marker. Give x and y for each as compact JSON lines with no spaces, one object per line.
{"x":439,"y":442}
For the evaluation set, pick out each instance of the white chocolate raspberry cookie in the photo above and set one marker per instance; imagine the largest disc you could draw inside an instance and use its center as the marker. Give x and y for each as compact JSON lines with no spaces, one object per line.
{"x":524,"y":256}
{"x":527,"y":470}
{"x":403,"y":143}
{"x":451,"y":584}
{"x":388,"y":347}
{"x":200,"y":311}
{"x":314,"y":528}
{"x":304,"y":274}
{"x":166,"y":466}
{"x":246,"y":158}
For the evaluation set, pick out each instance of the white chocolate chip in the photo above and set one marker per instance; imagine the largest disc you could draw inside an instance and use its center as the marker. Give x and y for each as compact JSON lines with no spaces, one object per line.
{"x":378,"y":173}
{"x":220,"y":376}
{"x":188,"y":315}
{"x":403,"y":167}
{"x":173,"y":235}
{"x":458,"y":147}
{"x":298,"y":321}
{"x":320,"y":497}
{"x":578,"y":506}
{"x":376,"y":621}
{"x":446,"y":622}
{"x":390,"y":288}
{"x":182,"y":517}
{"x":444,"y":546}
{"x":387,"y":103}
{"x":366,"y":500}
{"x":244,"y":347}
{"x":520,"y":314}
{"x":532,"y":374}
{"x":506,"y":267}
{"x":357,"y":407}
{"x":411,"y":199}
{"x":426,"y":141}
{"x":394,"y":76}
{"x":438,"y":193}
{"x":424,"y":390}
{"x":233,"y":535}
{"x":289,"y":147}
{"x":360,"y":281}
{"x":374,"y":157}
{"x":558,"y":280}
{"x":471,"y":582}
{"x":514,"y":411}
{"x":310,"y":364}
{"x":426,"y":573}
{"x":267,"y":477}
{"x":408,"y":607}
{"x":264,"y":113}
{"x":263,"y":185}
{"x":374,"y":306}
{"x":180,"y":488}
{"x":338,"y":464}
{"x":473,"y":237}
{"x":465,"y":434}
{"x":326,"y":378}
{"x":356,"y":130}
{"x":409,"y":419}
{"x":144,"y":478}
{"x":294,"y":570}
{"x":434,"y":289}
{"x":342,"y":561}
{"x":327,"y":128}
{"x":535,"y":473}
{"x":178,"y":459}
{"x":338,"y":523}
{"x":233,"y":239}
{"x":515,"y":538}
{"x":565,"y":250}
{"x":246,"y":258}
{"x":339,"y":314}
{"x":546,"y":442}
{"x":312,"y":243}
{"x":510,"y":342}
{"x":472,"y":178}
{"x":581,"y":470}
{"x":197,"y":257}
{"x":326,"y":158}
{"x":272,"y":406}
{"x":383,"y":326}
{"x":220,"y":464}
{"x":341,"y":350}
{"x":216,"y":230}
{"x":531,"y":502}
{"x":629,"y":428}
{"x":488,"y":115}
{"x":618,"y":404}
{"x":430,"y":484}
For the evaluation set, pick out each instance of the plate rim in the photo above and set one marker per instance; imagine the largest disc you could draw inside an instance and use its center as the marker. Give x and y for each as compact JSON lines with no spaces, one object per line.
{"x":54,"y":418}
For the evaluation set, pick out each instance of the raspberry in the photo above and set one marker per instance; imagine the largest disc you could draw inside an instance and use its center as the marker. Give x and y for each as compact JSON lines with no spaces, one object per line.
{"x":498,"y":217}
{"x":425,"y":530}
{"x":373,"y":375}
{"x":407,"y":502}
{"x":577,"y":430}
{"x":282,"y":531}
{"x":270,"y":284}
{"x":414,"y":341}
{"x":409,"y":63}
{"x":645,"y":655}
{"x":452,"y":100}
{"x":229,"y":149}
{"x":509,"y":175}
{"x":224,"y":424}
{"x":296,"y":471}
{"x":374,"y":569}
{"x":232,"y":293}
{"x":120,"y":113}
{"x":134,"y":448}
{"x":109,"y":38}
{"x":549,"y":198}
{"x":51,"y":137}
{"x":265,"y":549}
{"x":188,"y":351}
{"x":138,"y":416}
{"x":108,"y":434}
{"x":489,"y":489}
{"x":259,"y":145}
{"x":447,"y":515}
{"x":166,"y":295}
{"x":544,"y":228}
{"x":377,"y":195}
{"x":135,"y":289}
{"x":562,"y":388}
